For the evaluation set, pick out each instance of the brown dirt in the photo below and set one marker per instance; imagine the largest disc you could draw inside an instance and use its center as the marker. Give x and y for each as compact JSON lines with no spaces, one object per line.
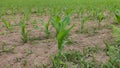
{"x":39,"y":49}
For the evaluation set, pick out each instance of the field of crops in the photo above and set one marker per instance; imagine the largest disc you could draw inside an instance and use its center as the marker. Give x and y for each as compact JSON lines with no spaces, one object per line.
{"x":59,"y":33}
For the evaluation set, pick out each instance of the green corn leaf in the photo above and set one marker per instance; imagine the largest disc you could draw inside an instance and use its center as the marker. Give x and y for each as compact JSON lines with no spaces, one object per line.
{"x":117,"y":16}
{"x":116,"y":33}
{"x":24,"y":33}
{"x":55,"y":23}
{"x":62,"y":34}
{"x":100,"y":17}
{"x":46,"y":27}
{"x":7,"y":24}
{"x":34,"y":23}
{"x":64,"y":22}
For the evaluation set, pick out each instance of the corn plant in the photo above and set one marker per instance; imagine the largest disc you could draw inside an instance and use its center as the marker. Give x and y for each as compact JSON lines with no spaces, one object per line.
{"x":100,"y":17}
{"x":113,"y":52}
{"x":54,"y":12}
{"x":24,"y":32}
{"x":67,"y":11}
{"x":77,"y":59}
{"x":26,"y":14}
{"x":117,"y":16}
{"x":7,"y":24}
{"x":83,"y":20}
{"x":116,"y":34}
{"x":61,"y":38}
{"x":61,"y":30}
{"x":46,"y":28}
{"x":34,"y":24}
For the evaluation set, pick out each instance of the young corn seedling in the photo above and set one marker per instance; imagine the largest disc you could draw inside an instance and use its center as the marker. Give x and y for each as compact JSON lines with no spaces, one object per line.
{"x":46,"y":28}
{"x":116,"y":34}
{"x":27,"y":15}
{"x":34,"y":24}
{"x":113,"y":52}
{"x":54,"y":12}
{"x":117,"y":16}
{"x":83,"y":20}
{"x":61,"y":31}
{"x":67,"y":11}
{"x":7,"y":24}
{"x":61,"y":38}
{"x":24,"y":32}
{"x":7,"y":49}
{"x":100,"y":17}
